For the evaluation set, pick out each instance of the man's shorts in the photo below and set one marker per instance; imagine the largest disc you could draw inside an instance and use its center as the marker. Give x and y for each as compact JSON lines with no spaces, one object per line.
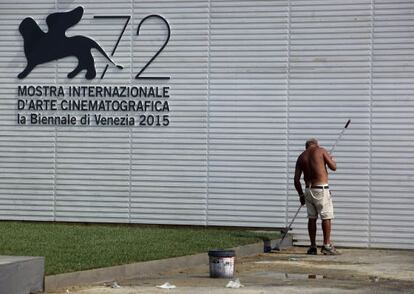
{"x":319,"y":202}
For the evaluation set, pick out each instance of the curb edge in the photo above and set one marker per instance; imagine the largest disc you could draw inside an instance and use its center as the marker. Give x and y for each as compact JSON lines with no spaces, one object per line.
{"x":146,"y":268}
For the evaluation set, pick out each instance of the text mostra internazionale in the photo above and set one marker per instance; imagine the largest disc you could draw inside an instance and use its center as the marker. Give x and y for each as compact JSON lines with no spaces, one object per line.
{"x":56,"y":98}
{"x":94,"y":91}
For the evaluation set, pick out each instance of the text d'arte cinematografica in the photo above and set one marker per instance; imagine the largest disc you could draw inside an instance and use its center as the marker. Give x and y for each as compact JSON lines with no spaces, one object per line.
{"x":90,"y":105}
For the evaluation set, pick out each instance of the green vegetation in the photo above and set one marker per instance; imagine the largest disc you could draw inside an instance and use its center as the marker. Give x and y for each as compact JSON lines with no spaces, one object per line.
{"x":75,"y":247}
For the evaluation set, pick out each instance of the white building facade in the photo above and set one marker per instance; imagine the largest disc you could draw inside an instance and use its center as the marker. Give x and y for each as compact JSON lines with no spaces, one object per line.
{"x":212,"y":106}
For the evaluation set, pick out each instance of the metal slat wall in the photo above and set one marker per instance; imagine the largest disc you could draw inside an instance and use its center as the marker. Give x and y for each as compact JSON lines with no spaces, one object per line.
{"x":250,"y":82}
{"x":27,"y":155}
{"x":92,"y":163}
{"x":329,"y":83}
{"x":169,"y":165}
{"x":106,"y":174}
{"x":392,"y":160}
{"x":247,"y":113}
{"x":354,"y":61}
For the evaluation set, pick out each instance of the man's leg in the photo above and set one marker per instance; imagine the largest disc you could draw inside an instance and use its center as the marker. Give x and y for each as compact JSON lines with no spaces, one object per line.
{"x":326,"y":228}
{"x":312,"y":231}
{"x":327,"y":248}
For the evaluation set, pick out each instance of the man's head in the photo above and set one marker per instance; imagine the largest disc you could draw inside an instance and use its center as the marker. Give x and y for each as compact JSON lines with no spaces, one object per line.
{"x":311,"y":142}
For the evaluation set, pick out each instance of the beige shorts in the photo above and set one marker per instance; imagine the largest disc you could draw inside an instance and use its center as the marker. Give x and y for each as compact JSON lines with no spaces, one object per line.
{"x":319,"y":202}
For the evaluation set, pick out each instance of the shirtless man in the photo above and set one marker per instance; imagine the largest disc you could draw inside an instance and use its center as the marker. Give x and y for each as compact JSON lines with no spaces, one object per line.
{"x":312,"y":163}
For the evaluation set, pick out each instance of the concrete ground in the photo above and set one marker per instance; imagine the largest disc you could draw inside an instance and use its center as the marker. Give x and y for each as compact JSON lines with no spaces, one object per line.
{"x":289,"y":271}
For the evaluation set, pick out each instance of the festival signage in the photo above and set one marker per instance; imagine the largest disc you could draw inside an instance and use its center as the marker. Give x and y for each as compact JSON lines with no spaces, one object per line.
{"x":86,"y":105}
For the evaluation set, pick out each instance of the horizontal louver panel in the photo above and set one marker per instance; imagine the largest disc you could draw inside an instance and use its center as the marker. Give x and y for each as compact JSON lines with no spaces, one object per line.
{"x":392,"y":202}
{"x":249,"y":82}
{"x":329,"y":83}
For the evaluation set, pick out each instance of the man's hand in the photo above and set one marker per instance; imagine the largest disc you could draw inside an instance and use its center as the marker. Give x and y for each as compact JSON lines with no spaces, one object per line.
{"x":329,"y":160}
{"x":302,"y":199}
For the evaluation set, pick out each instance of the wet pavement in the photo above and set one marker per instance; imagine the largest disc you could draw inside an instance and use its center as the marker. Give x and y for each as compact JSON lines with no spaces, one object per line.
{"x":289,"y":271}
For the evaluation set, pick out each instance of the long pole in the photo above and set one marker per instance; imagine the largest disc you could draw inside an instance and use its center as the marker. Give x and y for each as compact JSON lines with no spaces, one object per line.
{"x":286,"y":230}
{"x":340,"y":136}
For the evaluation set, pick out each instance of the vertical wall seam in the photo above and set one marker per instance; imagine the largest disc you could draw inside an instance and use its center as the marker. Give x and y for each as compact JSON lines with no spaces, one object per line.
{"x":370,"y":120}
{"x":54,"y":173}
{"x":287,"y":112}
{"x":208,"y":115}
{"x":130,"y":133}
{"x":130,"y":175}
{"x":55,"y":143}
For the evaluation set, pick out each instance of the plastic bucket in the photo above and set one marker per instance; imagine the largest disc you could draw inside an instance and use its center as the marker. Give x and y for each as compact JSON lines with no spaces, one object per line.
{"x":221,"y":263}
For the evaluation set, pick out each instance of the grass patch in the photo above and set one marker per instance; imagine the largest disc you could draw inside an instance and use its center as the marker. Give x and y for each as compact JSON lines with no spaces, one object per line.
{"x":75,"y":247}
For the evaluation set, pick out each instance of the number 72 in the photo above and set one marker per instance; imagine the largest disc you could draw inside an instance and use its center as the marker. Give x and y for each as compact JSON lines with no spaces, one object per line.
{"x":127,"y":18}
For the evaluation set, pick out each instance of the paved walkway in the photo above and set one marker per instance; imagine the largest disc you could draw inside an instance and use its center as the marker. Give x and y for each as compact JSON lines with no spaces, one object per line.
{"x":289,"y":271}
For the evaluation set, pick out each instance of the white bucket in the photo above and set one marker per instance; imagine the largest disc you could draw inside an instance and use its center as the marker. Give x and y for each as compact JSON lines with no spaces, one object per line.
{"x":221,"y":263}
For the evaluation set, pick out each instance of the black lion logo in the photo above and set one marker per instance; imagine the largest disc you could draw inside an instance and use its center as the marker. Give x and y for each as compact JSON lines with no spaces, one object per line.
{"x":41,"y":47}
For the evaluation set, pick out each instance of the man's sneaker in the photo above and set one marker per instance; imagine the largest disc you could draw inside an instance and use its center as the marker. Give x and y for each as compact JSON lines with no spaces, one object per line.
{"x":329,"y":250}
{"x":312,"y":251}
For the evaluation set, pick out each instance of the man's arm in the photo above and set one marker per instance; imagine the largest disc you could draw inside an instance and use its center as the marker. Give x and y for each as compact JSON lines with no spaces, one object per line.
{"x":298,"y":185}
{"x":330,"y":162}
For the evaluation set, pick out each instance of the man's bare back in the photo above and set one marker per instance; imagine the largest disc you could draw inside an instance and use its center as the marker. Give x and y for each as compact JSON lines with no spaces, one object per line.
{"x":312,"y":163}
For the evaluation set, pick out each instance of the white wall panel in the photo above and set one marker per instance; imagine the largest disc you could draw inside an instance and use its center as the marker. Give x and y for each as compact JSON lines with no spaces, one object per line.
{"x":92,"y":175}
{"x":93,"y":164}
{"x":329,"y":83}
{"x":27,"y":155}
{"x":250,"y":81}
{"x":168,"y":168}
{"x":392,"y":166}
{"x":247,"y":113}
